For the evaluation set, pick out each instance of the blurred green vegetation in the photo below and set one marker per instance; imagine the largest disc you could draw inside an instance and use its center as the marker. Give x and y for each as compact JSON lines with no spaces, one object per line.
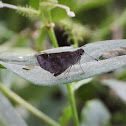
{"x":95,"y":20}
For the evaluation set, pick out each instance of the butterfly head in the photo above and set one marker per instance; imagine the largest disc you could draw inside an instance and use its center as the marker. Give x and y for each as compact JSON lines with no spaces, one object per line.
{"x":80,"y":52}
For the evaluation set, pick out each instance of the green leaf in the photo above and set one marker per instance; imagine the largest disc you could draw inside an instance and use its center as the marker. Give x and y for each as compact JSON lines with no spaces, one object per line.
{"x":16,"y":62}
{"x":67,"y":114}
{"x":95,"y":114}
{"x":2,"y":67}
{"x":119,"y":87}
{"x":8,"y":116}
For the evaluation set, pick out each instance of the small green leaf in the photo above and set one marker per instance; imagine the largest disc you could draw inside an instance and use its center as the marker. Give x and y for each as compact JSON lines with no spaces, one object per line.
{"x":27,"y":11}
{"x":95,"y":114}
{"x":66,"y":116}
{"x":2,"y":67}
{"x":16,"y":62}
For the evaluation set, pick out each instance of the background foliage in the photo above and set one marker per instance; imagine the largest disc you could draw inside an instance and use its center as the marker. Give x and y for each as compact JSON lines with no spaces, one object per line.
{"x":95,"y":20}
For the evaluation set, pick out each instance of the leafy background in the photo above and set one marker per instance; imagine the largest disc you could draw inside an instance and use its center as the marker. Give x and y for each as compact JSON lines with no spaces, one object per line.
{"x":95,"y":20}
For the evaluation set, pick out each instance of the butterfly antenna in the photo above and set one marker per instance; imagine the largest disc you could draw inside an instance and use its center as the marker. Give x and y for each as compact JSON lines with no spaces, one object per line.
{"x":91,"y":56}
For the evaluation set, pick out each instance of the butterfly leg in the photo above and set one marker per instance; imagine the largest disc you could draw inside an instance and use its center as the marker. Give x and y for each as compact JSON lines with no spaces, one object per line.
{"x":67,"y":72}
{"x":80,"y":66}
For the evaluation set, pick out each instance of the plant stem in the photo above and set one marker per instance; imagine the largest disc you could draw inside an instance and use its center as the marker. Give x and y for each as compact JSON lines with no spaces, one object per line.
{"x":7,"y":5}
{"x":28,"y":106}
{"x":69,"y":88}
{"x":53,"y":38}
{"x":71,"y":94}
{"x":73,"y":105}
{"x":51,"y":31}
{"x":49,"y":27}
{"x":75,"y":42}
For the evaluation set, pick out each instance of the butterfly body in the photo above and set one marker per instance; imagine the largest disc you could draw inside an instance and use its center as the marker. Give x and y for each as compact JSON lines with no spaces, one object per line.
{"x":57,"y":63}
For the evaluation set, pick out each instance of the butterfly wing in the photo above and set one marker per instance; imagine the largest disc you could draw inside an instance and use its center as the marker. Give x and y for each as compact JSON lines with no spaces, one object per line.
{"x":57,"y":63}
{"x":42,"y":60}
{"x":62,"y":62}
{"x":65,"y":60}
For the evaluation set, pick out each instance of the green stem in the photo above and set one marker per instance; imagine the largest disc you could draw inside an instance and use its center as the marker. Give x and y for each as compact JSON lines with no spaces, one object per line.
{"x":53,"y":38}
{"x":73,"y":105}
{"x":71,"y":94}
{"x":51,"y":31}
{"x":49,"y":27}
{"x":75,"y":42}
{"x":28,"y":106}
{"x":69,"y":88}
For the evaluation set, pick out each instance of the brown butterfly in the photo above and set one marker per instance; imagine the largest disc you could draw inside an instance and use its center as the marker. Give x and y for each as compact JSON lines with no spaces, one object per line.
{"x":57,"y":63}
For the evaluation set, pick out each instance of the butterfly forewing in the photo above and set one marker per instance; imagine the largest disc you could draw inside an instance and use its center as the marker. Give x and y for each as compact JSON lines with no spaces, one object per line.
{"x":57,"y":63}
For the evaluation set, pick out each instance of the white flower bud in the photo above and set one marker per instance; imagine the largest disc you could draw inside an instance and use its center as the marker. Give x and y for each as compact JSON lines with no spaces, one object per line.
{"x":69,"y":13}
